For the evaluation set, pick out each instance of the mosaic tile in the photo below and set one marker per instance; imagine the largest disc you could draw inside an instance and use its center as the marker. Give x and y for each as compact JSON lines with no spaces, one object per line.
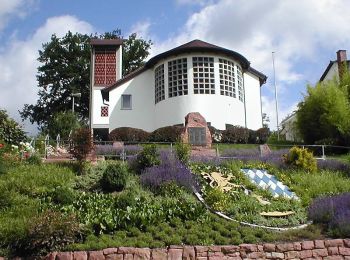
{"x":267,"y":181}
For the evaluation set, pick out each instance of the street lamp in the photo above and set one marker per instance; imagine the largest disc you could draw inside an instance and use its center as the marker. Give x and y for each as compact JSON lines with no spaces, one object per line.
{"x":73,"y":95}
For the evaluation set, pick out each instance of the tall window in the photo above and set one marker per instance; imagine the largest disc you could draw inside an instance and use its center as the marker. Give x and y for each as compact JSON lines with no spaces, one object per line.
{"x":105,"y":67}
{"x":177,"y":77}
{"x":240,"y":84}
{"x":203,"y":75}
{"x":126,"y":102}
{"x":159,"y":83}
{"x":227,"y":78}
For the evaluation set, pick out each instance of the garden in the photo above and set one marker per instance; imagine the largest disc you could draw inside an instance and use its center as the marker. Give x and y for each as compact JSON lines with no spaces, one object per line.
{"x":153,"y":199}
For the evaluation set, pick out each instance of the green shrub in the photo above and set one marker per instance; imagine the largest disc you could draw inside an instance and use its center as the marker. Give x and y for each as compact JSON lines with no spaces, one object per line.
{"x":128,"y":134}
{"x":48,"y":232}
{"x":262,"y":135}
{"x":114,"y":177}
{"x":216,"y":199}
{"x":10,"y":131}
{"x":166,"y":134}
{"x":301,"y":158}
{"x":34,"y":159}
{"x":63,"y":195}
{"x":183,"y":152}
{"x":236,"y":135}
{"x":148,"y":157}
{"x":82,"y":143}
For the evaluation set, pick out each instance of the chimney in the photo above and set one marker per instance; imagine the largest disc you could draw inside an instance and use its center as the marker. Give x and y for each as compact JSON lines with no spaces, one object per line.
{"x":342,"y":62}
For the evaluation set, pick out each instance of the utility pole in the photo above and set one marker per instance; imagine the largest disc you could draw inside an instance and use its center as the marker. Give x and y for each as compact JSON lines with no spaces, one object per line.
{"x":73,"y":96}
{"x":276,"y":98}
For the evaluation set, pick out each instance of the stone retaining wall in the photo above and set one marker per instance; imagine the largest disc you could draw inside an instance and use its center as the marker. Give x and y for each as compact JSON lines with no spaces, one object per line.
{"x":333,"y":249}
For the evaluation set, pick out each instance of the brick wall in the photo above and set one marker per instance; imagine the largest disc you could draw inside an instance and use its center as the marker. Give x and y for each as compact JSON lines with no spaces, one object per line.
{"x":319,"y":249}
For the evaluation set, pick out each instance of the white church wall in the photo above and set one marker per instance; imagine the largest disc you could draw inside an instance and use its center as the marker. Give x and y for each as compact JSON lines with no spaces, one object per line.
{"x":217,"y":109}
{"x":141,"y":115}
{"x":96,"y":112}
{"x":253,"y":101}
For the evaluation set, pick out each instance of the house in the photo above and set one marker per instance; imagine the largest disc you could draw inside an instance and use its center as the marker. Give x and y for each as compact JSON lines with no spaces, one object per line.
{"x":197,"y":76}
{"x":333,"y":70}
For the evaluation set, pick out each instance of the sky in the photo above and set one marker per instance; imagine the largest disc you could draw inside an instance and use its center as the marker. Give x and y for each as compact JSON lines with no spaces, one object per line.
{"x":304,"y":36}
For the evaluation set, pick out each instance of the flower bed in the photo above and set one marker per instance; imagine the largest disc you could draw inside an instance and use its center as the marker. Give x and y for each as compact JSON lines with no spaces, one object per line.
{"x":246,"y":202}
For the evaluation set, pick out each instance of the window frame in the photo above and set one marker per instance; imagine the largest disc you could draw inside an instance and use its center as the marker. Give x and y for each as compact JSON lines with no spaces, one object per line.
{"x":122,"y":107}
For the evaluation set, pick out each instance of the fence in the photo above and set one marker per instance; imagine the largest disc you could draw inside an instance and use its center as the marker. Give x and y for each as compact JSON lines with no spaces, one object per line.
{"x":124,"y":150}
{"x":128,"y":149}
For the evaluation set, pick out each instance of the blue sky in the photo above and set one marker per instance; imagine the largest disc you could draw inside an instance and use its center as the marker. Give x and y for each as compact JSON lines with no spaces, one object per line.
{"x":304,"y":35}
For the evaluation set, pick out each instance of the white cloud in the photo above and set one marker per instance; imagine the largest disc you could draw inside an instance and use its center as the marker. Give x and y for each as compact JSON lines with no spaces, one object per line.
{"x":297,"y":31}
{"x":293,"y":29}
{"x":18,"y":63}
{"x":13,"y":8}
{"x":142,"y":29}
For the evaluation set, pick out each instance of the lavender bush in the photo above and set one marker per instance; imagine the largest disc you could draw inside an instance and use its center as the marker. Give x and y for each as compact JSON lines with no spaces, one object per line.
{"x":334,"y":212}
{"x":274,"y":158}
{"x":333,"y":165}
{"x":169,"y":170}
{"x":109,"y":150}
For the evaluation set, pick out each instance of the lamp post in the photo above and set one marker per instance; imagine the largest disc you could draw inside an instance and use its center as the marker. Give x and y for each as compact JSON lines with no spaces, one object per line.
{"x":73,"y":95}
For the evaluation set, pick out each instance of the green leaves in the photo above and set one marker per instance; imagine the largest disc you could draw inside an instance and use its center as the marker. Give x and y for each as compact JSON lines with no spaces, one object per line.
{"x":65,"y":69}
{"x":325,"y":113}
{"x":10,"y":131}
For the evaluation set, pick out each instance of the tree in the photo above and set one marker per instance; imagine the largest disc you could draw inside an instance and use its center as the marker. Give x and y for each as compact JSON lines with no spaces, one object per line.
{"x":325,"y":113}
{"x":135,"y":50}
{"x":10,"y":131}
{"x":65,"y":69}
{"x":63,"y":123}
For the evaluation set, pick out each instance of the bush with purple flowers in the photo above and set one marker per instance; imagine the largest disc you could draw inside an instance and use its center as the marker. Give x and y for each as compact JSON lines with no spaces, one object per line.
{"x":333,"y":212}
{"x":333,"y":165}
{"x":169,"y":170}
{"x":110,"y":150}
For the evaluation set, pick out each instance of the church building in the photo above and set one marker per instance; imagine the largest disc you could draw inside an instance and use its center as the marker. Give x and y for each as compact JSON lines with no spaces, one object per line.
{"x":197,"y":76}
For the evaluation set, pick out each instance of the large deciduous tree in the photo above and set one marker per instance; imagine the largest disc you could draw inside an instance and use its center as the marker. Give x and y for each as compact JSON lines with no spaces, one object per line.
{"x":324,"y":114}
{"x":65,"y":69}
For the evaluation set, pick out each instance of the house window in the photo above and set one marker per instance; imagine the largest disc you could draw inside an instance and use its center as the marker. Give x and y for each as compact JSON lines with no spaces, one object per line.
{"x":177,"y":77}
{"x":240,"y":84}
{"x":227,"y":78}
{"x":104,"y":111}
{"x":126,"y":102}
{"x":159,"y":94}
{"x":203,"y":75}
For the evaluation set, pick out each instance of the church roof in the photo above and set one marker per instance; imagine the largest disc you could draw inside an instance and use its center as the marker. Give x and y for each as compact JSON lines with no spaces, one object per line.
{"x":199,"y":46}
{"x":190,"y":47}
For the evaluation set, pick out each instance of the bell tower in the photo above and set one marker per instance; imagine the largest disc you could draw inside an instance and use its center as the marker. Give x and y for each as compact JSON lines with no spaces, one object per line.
{"x":106,"y":69}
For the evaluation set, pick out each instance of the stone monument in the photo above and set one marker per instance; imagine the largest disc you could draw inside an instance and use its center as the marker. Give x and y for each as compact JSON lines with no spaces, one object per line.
{"x":196,"y":131}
